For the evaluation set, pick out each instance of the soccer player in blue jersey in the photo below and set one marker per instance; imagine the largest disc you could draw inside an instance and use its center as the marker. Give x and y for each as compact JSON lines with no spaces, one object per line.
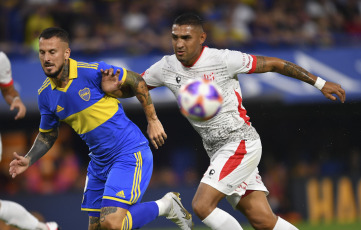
{"x":121,"y":161}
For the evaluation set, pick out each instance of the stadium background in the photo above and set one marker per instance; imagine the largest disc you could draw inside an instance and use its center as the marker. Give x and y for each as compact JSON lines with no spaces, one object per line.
{"x":311,"y":145}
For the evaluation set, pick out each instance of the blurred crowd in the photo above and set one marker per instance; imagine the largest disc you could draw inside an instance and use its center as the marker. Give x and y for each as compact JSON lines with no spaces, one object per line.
{"x":142,"y":27}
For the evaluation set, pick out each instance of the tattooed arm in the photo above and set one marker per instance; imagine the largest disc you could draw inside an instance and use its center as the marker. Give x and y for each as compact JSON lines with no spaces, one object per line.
{"x":135,"y":85}
{"x":42,"y":144}
{"x":272,"y":64}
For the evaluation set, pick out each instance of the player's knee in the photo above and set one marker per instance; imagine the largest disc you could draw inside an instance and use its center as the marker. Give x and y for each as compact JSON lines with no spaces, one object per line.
{"x":263,"y":222}
{"x":110,"y":225}
{"x":201,"y":209}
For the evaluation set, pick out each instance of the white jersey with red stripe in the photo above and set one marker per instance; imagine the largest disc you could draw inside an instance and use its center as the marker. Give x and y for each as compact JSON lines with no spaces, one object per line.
{"x":5,"y":71}
{"x":221,"y":66}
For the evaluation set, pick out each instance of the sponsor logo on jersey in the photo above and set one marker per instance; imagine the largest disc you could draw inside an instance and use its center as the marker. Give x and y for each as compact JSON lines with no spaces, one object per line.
{"x":59,"y":108}
{"x":121,"y":194}
{"x":209,"y":77}
{"x":85,"y":94}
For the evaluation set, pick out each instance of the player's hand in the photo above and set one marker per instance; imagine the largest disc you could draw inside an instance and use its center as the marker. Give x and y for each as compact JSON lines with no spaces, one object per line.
{"x":18,"y":104}
{"x":18,"y":165}
{"x":156,"y":133}
{"x":330,"y":89}
{"x":110,"y":81}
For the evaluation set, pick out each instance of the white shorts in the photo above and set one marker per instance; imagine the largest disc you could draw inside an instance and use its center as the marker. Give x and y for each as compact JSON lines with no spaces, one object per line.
{"x":234,"y":170}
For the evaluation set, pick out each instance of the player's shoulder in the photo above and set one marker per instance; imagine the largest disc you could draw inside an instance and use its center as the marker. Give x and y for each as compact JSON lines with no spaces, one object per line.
{"x":167,"y":59}
{"x":89,"y":65}
{"x":4,"y":60}
{"x":2,"y":56}
{"x":45,"y":86}
{"x":218,"y":52}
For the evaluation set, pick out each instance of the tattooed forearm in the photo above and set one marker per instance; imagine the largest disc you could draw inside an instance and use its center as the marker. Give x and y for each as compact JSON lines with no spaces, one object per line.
{"x":295,"y":71}
{"x":261,"y":64}
{"x":139,"y":87}
{"x":142,"y":94}
{"x":106,"y":211}
{"x":42,"y":144}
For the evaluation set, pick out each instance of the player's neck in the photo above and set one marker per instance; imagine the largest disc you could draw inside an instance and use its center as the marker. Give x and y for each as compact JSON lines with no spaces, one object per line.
{"x":193,"y":61}
{"x":63,"y":78}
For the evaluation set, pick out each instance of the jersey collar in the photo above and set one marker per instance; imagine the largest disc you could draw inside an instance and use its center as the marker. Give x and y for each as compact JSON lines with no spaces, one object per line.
{"x":73,"y":73}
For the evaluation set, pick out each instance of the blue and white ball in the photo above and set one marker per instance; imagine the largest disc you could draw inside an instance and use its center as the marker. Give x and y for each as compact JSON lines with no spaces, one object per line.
{"x":200,"y":99}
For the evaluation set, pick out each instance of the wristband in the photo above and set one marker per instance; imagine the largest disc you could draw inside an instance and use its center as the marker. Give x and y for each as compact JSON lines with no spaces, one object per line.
{"x":15,"y":98}
{"x":319,"y":83}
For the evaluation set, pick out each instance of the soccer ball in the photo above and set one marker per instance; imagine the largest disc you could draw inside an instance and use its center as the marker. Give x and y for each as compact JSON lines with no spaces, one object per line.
{"x":199,"y":99}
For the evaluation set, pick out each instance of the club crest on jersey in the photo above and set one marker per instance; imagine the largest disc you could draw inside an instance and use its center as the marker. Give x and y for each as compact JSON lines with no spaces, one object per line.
{"x":209,"y":77}
{"x":178,"y":79}
{"x":85,"y":94}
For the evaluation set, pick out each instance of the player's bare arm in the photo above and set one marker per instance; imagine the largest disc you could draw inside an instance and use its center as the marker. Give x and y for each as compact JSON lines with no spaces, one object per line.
{"x":272,"y":64}
{"x":42,"y":144}
{"x":12,"y":97}
{"x":134,"y":85}
{"x":155,"y":129}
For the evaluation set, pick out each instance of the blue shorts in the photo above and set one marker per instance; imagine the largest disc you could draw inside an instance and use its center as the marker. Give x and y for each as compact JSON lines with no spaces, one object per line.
{"x":119,"y":184}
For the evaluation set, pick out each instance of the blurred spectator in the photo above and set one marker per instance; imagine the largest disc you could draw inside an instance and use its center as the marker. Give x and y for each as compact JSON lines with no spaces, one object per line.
{"x":35,"y":23}
{"x":354,"y":162}
{"x":14,"y":141}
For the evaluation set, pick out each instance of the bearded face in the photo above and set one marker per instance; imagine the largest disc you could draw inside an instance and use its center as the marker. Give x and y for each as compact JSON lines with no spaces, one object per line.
{"x":53,"y":53}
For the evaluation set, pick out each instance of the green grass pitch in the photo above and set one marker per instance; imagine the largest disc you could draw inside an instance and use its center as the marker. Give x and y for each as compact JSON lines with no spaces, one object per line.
{"x":303,"y":226}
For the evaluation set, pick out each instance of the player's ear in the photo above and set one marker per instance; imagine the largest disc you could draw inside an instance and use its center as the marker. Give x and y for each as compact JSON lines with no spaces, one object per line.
{"x":67,"y":53}
{"x":202,"y":38}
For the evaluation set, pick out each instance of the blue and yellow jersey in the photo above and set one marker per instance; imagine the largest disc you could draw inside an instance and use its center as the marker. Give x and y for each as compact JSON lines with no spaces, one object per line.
{"x":98,"y":119}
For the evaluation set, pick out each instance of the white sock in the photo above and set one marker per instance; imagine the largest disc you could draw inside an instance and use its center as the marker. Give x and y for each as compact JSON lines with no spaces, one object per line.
{"x":219,"y":219}
{"x":283,"y":225}
{"x":164,"y":205}
{"x":15,"y":214}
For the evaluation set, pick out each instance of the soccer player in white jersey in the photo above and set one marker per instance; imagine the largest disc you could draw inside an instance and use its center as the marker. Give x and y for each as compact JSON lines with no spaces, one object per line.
{"x":10,"y":212}
{"x":233,"y":145}
{"x":8,"y":91}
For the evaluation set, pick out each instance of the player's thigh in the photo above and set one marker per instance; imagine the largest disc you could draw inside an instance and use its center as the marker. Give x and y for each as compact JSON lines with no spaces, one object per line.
{"x":206,"y":200}
{"x":93,"y":190}
{"x":256,"y":208}
{"x":232,"y":165}
{"x":128,"y":180}
{"x":253,"y":183}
